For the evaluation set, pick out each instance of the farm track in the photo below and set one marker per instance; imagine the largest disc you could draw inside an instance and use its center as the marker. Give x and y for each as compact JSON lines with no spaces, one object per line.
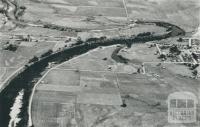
{"x":26,"y":79}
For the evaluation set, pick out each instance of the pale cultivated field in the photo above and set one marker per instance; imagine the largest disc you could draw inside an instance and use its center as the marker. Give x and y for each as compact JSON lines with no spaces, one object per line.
{"x":37,"y":49}
{"x":83,"y":87}
{"x":123,"y":31}
{"x":55,"y":109}
{"x":74,"y":13}
{"x":25,"y":50}
{"x":1,"y":21}
{"x":184,"y":13}
{"x":1,"y":15}
{"x":2,"y":73}
{"x":98,"y":96}
{"x":179,"y":69}
{"x":66,"y":78}
{"x":174,"y":76}
{"x":11,"y":59}
{"x":5,"y":72}
{"x":36,"y":31}
{"x":96,"y":100}
{"x":92,"y":61}
{"x":98,"y":88}
{"x":88,"y":90}
{"x":140,"y":53}
{"x":110,"y":13}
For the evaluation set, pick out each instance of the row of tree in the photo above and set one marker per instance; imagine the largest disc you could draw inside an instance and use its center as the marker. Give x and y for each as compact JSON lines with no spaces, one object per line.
{"x":45,"y":54}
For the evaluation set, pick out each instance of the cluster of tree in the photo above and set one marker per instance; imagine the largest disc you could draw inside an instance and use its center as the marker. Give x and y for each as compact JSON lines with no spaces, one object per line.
{"x":11,"y":47}
{"x":34,"y":59}
{"x":118,"y":57}
{"x":2,"y":11}
{"x":195,"y":73}
{"x":173,"y":29}
{"x":180,"y":39}
{"x":103,"y":41}
{"x":79,"y":41}
{"x":22,"y":7}
{"x":144,"y":34}
{"x":164,"y":46}
{"x":20,"y":12}
{"x":92,"y":39}
{"x":49,"y":52}
{"x":127,"y":40}
{"x":169,"y":29}
{"x":195,"y":56}
{"x":61,"y":28}
{"x":163,"y":57}
{"x":96,"y":39}
{"x":90,"y":18}
{"x":194,"y":66}
{"x":174,"y":50}
{"x":22,"y":38}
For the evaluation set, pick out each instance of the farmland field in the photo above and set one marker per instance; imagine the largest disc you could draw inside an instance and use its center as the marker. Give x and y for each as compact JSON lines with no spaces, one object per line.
{"x":107,"y":12}
{"x":92,"y":97}
{"x":97,"y":63}
{"x":6,"y":72}
{"x":184,"y":13}
{"x":75,"y":12}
